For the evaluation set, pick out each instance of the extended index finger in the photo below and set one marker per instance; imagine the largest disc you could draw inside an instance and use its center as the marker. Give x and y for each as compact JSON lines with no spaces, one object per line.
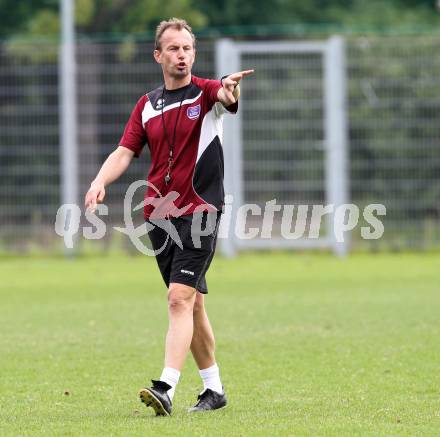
{"x":241,"y":74}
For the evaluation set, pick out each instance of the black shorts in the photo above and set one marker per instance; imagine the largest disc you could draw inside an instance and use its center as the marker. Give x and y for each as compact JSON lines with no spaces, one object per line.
{"x":185,"y":247}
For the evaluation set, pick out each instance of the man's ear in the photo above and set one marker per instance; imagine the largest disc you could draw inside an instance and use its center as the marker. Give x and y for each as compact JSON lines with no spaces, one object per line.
{"x":156,"y":55}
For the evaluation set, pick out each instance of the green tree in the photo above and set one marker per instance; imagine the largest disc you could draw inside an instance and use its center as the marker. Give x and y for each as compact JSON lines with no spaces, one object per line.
{"x":41,"y":17}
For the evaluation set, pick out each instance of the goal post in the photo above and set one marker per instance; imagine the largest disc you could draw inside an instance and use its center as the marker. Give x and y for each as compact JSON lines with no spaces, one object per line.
{"x":289,"y":138}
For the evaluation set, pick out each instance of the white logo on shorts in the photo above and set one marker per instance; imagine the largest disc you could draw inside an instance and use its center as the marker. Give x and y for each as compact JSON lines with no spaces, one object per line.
{"x":187,"y":272}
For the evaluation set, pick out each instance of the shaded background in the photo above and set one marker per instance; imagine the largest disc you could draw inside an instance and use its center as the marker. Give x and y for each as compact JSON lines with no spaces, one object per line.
{"x":393,"y":104}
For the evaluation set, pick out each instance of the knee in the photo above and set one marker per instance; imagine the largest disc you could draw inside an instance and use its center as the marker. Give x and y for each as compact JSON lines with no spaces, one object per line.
{"x":199,"y":304}
{"x":180,"y":298}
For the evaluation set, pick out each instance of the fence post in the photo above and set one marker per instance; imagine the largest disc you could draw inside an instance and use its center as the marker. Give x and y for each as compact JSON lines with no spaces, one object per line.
{"x":228,"y":61}
{"x":68,"y":111}
{"x":336,"y":136}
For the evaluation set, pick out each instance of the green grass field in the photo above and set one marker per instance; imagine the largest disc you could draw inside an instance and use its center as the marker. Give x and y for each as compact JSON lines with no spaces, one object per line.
{"x":307,"y":345}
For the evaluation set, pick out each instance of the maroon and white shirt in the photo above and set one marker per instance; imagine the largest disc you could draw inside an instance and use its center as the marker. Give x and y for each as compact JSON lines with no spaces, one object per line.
{"x":197,"y":170}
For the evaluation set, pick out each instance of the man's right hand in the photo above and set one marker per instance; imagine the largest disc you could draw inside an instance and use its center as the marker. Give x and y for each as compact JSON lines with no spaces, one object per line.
{"x":115,"y":164}
{"x":94,"y":196}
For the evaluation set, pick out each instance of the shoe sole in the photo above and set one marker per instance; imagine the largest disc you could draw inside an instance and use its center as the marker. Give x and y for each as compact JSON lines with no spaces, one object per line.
{"x":150,"y":400}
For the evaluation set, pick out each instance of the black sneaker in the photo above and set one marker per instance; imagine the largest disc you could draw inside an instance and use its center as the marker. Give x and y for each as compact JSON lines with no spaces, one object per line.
{"x":209,"y":400}
{"x":157,"y":398}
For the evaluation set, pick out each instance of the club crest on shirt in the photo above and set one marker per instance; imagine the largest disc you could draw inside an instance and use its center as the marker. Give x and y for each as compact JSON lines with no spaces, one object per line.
{"x":193,"y":112}
{"x":159,"y":104}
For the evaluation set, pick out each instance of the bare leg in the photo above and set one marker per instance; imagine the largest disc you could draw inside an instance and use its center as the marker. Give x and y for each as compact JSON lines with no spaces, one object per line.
{"x":180,"y":330}
{"x":203,"y":342}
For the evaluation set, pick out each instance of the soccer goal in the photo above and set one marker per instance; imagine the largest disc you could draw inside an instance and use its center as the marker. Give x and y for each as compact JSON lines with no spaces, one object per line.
{"x":286,"y":149}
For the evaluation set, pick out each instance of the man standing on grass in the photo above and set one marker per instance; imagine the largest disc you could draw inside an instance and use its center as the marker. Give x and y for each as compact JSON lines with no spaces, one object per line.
{"x":181,"y":121}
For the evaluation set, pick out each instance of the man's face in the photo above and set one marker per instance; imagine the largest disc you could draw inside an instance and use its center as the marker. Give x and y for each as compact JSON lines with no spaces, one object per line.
{"x":176,"y":54}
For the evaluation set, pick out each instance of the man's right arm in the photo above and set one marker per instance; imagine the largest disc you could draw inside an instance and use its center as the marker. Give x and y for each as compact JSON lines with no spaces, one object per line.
{"x":113,"y":167}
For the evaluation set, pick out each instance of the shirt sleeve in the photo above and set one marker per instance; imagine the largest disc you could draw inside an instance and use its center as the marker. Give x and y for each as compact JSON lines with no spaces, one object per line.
{"x":134,"y":136}
{"x":232,"y":109}
{"x":211,"y":90}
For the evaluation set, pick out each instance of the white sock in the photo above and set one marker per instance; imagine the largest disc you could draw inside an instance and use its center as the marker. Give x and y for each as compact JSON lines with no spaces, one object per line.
{"x":211,"y":378}
{"x":170,"y":376}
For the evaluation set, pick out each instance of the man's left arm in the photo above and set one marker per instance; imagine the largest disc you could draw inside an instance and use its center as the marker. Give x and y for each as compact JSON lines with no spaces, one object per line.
{"x":230,"y":91}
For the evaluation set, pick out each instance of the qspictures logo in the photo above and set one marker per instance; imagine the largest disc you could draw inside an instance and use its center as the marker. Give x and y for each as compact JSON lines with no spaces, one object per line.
{"x":305,"y":224}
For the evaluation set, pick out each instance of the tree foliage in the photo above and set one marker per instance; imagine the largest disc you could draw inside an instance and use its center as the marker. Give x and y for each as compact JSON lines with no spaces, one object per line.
{"x":41,"y":17}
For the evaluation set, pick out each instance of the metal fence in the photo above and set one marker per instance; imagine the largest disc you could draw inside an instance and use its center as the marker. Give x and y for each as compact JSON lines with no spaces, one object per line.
{"x":394,"y":101}
{"x":287,"y":146}
{"x":394,"y":133}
